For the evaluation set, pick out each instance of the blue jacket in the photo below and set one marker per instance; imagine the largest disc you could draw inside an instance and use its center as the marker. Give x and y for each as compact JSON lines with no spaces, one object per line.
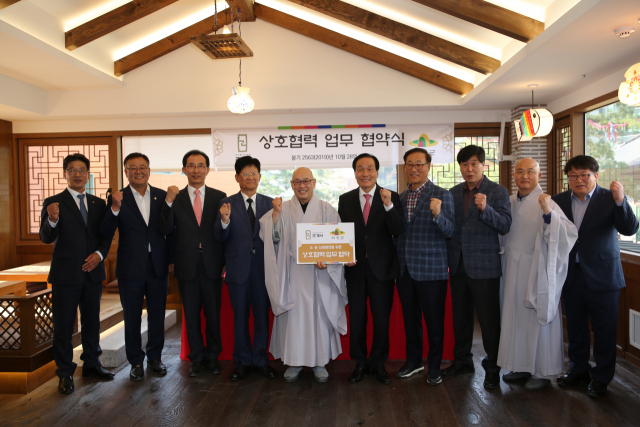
{"x":597,"y":244}
{"x":237,"y":238}
{"x":476,"y":235}
{"x":422,"y":246}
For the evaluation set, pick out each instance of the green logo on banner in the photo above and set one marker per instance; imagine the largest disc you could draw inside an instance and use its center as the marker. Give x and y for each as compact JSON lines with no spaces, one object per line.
{"x":242,"y":143}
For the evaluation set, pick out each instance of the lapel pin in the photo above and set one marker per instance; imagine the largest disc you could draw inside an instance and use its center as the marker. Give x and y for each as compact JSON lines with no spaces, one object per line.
{"x":155,"y":198}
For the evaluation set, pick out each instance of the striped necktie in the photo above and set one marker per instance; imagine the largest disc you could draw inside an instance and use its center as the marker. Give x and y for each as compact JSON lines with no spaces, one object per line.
{"x":83,"y":209}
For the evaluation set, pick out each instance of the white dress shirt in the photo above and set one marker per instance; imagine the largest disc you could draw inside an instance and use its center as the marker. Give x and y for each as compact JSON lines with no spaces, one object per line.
{"x":144,"y":204}
{"x":192,"y":195}
{"x":246,"y":207}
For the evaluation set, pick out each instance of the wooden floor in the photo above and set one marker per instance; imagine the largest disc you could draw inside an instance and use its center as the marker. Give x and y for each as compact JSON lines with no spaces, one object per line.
{"x":208,"y":400}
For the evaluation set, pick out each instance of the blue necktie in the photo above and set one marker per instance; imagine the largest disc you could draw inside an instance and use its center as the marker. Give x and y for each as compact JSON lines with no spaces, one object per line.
{"x":83,"y":209}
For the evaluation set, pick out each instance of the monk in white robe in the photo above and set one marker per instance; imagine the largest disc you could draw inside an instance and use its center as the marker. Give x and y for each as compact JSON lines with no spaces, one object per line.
{"x":308,"y":301}
{"x":534,"y":267}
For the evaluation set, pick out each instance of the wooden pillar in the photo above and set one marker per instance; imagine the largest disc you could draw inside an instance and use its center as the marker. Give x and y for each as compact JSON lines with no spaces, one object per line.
{"x":8,"y":257}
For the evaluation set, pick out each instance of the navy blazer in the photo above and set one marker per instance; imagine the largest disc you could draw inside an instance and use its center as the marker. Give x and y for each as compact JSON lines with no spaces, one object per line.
{"x":597,"y":243}
{"x":476,"y":235}
{"x":238,"y":239}
{"x":422,"y":246}
{"x":374,"y":241}
{"x":135,"y":236}
{"x":73,"y":240}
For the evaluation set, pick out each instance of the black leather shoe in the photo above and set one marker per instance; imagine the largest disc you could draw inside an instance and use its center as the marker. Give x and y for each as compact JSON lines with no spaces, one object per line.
{"x":195,"y":369}
{"x":511,"y":377}
{"x":98,"y":372}
{"x":458,"y":368}
{"x":359,"y":372}
{"x":157,"y":367}
{"x":137,"y":373}
{"x":381,"y":375}
{"x":434,"y":378}
{"x":214,"y":367}
{"x":266,"y":371}
{"x":596,"y":388}
{"x":573,"y":378}
{"x":491,"y":380}
{"x":238,"y":373}
{"x":409,"y":369}
{"x":65,"y":386}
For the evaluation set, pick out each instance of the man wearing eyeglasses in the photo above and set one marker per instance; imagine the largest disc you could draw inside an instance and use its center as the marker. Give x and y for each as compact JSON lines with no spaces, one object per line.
{"x":238,"y":229}
{"x":199,"y":259}
{"x":591,"y":291}
{"x":308,"y":301}
{"x":144,"y":262}
{"x":71,"y":220}
{"x":483,"y":212}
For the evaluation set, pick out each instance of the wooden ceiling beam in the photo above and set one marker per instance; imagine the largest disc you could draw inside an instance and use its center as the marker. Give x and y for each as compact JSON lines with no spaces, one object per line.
{"x":363,"y":50}
{"x":169,"y":44}
{"x":402,"y":33}
{"x":111,"y":21}
{"x":488,"y":15}
{"x":6,"y":3}
{"x":245,"y":6}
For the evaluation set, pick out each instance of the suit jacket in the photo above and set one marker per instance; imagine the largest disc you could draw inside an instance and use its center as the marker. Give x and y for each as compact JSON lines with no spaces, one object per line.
{"x":374,"y":240}
{"x":135,"y":236}
{"x":422,"y":247}
{"x":73,"y":241}
{"x":476,"y":236}
{"x":597,"y":243}
{"x":238,"y":239}
{"x":181,"y":219}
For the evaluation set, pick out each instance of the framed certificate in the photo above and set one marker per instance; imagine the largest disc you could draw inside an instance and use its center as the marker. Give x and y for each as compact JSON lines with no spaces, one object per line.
{"x":331,"y":243}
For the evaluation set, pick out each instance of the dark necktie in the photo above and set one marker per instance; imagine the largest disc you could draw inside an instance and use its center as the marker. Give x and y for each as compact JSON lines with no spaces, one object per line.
{"x":83,"y":209}
{"x":252,"y":216}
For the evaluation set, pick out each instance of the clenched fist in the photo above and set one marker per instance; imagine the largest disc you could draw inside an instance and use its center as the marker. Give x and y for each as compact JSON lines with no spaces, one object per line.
{"x":54,"y":211}
{"x":435,"y":206}
{"x":116,"y":201}
{"x":277,"y":208}
{"x":386,"y":196}
{"x":225,"y":212}
{"x":617,"y":190}
{"x":545,"y":203}
{"x":481,"y":201}
{"x":172,"y":193}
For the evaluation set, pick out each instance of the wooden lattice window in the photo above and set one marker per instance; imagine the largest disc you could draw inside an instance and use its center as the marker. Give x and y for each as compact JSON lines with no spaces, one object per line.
{"x":562,"y":155}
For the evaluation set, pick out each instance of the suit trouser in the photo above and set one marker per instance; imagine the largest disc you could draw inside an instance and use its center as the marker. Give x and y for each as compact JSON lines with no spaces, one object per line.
{"x":132,"y":296}
{"x":420,"y":298}
{"x":247,"y":297}
{"x":581,"y":305}
{"x":380,"y":293}
{"x":202,"y":294}
{"x":66,"y":299}
{"x":484,"y":295}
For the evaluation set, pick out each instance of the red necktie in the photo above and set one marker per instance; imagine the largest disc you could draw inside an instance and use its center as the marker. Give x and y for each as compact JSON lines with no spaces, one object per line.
{"x":197,"y":206}
{"x":367,"y":208}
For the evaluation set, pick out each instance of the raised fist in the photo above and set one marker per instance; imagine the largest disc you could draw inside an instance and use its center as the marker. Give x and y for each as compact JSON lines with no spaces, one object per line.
{"x":386,"y":196}
{"x":225,"y":212}
{"x":545,"y":203}
{"x":277,"y":204}
{"x":617,"y":190}
{"x":435,"y":206}
{"x":481,"y":201}
{"x":54,"y":211}
{"x":116,"y":201}
{"x":172,"y":193}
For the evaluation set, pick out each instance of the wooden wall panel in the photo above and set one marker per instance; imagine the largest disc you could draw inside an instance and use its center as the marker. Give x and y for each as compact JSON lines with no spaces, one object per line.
{"x":8,"y":256}
{"x":629,"y":300}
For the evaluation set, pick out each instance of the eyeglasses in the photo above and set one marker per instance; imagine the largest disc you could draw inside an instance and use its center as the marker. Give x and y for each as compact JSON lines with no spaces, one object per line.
{"x":80,"y":171}
{"x":252,"y":174}
{"x":582,"y":176}
{"x":305,"y":182}
{"x":416,"y":166}
{"x":135,"y":169}
{"x":194,"y":167}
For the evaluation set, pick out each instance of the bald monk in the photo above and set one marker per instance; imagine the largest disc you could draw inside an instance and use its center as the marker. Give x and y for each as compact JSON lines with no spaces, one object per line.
{"x":308,"y":301}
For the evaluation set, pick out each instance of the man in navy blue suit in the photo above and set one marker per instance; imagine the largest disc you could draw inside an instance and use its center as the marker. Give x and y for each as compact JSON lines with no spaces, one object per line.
{"x":483,"y":212}
{"x":237,"y":227}
{"x":592,"y":289}
{"x":143,"y":263}
{"x":422,"y":251}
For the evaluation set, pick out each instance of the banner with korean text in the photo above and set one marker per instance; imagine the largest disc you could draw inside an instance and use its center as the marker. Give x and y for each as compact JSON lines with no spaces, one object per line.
{"x":315,"y":147}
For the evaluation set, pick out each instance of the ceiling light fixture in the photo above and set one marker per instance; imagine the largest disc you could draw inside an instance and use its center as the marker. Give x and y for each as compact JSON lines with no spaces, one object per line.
{"x":533,"y":123}
{"x":629,"y":90}
{"x":624,"y":32}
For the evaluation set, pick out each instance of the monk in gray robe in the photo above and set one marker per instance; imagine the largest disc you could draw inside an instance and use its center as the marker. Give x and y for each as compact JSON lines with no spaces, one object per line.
{"x":534,"y":268}
{"x":308,"y":300}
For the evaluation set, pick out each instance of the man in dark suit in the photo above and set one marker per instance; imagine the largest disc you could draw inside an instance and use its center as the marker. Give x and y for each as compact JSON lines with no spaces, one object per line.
{"x":483,"y":212}
{"x":377,"y":218}
{"x":71,"y":220}
{"x":422,"y":249}
{"x":244,"y":254}
{"x":591,"y":291}
{"x":199,"y":258}
{"x":143,"y":263}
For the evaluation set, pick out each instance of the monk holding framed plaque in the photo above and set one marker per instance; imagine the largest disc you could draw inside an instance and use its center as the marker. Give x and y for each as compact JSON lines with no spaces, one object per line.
{"x":331,"y":243}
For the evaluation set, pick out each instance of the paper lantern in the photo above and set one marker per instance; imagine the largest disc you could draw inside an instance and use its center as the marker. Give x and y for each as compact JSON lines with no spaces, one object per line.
{"x":240,"y":102}
{"x":629,"y":90}
{"x":534,"y":123}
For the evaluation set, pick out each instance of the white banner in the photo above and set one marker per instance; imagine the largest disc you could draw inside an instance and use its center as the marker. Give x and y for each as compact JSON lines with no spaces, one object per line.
{"x":330,"y":147}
